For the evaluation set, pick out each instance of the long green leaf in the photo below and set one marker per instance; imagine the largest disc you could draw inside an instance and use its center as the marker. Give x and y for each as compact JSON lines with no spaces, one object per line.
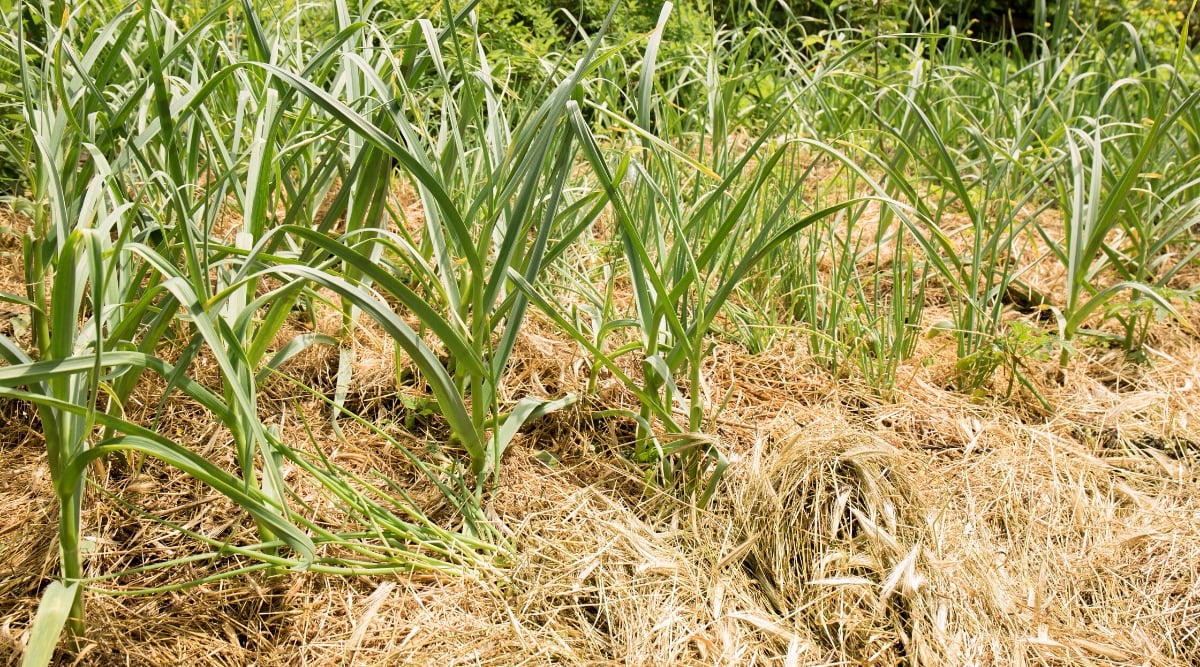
{"x":48,"y":623}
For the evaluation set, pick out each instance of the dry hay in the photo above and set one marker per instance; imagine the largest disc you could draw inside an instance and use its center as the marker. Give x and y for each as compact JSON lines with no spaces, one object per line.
{"x":932,"y":528}
{"x":831,"y":532}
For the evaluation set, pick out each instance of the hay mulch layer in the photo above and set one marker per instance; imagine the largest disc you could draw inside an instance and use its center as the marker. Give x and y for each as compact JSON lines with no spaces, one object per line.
{"x":927,"y":528}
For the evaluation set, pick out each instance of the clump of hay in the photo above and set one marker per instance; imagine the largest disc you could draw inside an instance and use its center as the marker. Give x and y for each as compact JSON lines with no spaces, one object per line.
{"x":833,"y":535}
{"x":615,"y":588}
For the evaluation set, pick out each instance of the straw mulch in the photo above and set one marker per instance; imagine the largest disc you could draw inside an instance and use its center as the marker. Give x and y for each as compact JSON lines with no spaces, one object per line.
{"x":923,"y":528}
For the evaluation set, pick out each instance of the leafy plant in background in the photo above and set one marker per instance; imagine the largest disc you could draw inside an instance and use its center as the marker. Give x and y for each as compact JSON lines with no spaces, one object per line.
{"x":518,"y":34}
{"x":1158,"y":22}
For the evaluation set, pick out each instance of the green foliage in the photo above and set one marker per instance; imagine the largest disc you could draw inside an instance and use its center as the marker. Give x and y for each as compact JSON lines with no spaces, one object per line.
{"x":522,"y":34}
{"x":48,"y":624}
{"x":524,"y":31}
{"x":143,"y":151}
{"x":689,"y":22}
{"x":755,"y":180}
{"x":1157,"y":23}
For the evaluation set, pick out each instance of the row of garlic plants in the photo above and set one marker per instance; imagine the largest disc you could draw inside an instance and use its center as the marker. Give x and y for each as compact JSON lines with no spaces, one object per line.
{"x":827,"y":190}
